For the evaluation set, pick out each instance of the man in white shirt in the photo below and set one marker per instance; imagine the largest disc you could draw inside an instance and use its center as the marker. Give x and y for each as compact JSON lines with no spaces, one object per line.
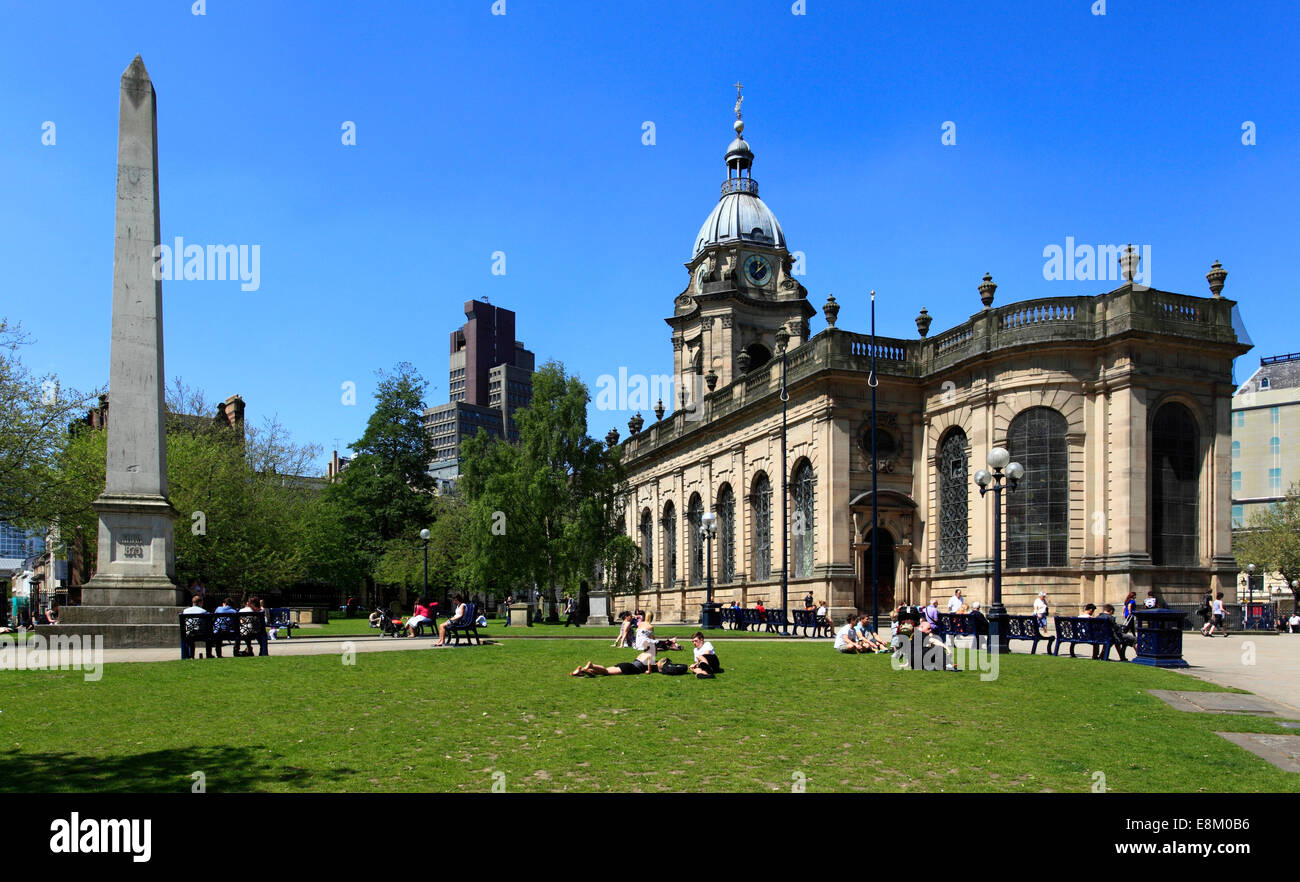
{"x":706,"y":658}
{"x":1294,"y":622}
{"x":845,"y":638}
{"x":196,"y":606}
{"x":1040,"y":610}
{"x":956,"y":602}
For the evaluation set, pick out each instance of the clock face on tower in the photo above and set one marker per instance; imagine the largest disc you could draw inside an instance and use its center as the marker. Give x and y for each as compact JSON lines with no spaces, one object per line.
{"x":757,"y":270}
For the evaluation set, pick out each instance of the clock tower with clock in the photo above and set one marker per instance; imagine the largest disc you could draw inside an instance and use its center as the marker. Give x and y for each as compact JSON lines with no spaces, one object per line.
{"x":740,"y":290}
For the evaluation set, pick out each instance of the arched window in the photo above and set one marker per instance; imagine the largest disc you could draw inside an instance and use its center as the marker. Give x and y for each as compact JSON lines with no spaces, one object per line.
{"x":670,"y":547}
{"x":1175,"y":482}
{"x":647,"y":550}
{"x":803,"y":528}
{"x":694,"y":520}
{"x":953,"y":501}
{"x":760,"y":502}
{"x":726,"y":535}
{"x":1038,"y":510}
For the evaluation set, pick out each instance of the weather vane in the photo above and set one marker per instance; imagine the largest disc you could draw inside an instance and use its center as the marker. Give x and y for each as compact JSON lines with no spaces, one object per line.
{"x":740,"y":99}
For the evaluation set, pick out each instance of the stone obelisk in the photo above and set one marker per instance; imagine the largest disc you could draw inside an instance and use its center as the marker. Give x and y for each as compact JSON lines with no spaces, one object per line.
{"x":132,"y":599}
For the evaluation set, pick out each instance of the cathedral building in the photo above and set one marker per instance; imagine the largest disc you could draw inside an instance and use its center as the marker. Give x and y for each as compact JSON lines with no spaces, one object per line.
{"x":1118,"y":406}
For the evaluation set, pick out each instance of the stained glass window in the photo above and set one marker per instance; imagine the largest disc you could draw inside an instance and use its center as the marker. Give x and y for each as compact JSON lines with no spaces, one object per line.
{"x":954,"y":495}
{"x":726,"y":535}
{"x":761,"y":503}
{"x":803,"y":526}
{"x":694,"y":518}
{"x":647,"y":550}
{"x":1175,"y":479}
{"x":670,"y":546}
{"x":1038,"y":510}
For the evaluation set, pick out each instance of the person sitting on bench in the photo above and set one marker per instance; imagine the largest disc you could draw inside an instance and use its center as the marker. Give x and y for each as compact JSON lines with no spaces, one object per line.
{"x":458,"y":618}
{"x":421,"y":615}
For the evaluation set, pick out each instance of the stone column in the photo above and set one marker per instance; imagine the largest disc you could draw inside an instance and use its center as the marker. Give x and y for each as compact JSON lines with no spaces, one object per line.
{"x":133,"y":600}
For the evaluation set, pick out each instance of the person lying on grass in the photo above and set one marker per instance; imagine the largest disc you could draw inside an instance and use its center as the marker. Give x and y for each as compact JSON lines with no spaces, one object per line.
{"x":639,"y":665}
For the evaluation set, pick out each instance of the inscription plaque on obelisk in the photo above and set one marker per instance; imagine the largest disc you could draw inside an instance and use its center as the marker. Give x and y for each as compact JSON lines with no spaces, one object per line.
{"x":132,"y":599}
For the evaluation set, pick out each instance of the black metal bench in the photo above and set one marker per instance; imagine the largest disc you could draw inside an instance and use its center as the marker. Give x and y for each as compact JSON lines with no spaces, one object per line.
{"x":214,"y":630}
{"x":807,"y":619}
{"x":468,"y":626}
{"x":282,"y":617}
{"x":750,"y":618}
{"x":776,"y":621}
{"x":1026,"y":628}
{"x":955,"y":625}
{"x":728,"y":617}
{"x":1096,"y":632}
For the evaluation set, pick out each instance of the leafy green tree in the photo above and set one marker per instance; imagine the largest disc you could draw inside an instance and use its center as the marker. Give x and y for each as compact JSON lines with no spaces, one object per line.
{"x":545,"y":511}
{"x":34,"y":416}
{"x":385,"y":493}
{"x":1272,"y":539}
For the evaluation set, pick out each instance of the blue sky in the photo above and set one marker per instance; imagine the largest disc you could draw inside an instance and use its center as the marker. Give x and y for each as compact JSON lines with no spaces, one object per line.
{"x":522,"y":133}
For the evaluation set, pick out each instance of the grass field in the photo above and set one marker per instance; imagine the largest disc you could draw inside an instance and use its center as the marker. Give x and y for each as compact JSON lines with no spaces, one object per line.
{"x":449,"y":720}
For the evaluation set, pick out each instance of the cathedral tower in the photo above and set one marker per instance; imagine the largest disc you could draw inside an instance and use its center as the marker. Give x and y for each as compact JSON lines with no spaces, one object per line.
{"x":740,"y":289}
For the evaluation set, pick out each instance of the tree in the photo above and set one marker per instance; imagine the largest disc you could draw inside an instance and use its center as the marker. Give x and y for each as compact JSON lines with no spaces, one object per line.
{"x":545,"y":511}
{"x":34,"y":416}
{"x":1272,"y":540}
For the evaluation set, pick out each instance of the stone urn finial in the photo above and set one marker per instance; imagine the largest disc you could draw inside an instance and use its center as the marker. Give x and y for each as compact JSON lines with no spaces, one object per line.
{"x":1128,"y":263}
{"x":634,"y":425}
{"x":742,"y":361}
{"x":987,"y":287}
{"x":1215,"y":277}
{"x":782,"y":338}
{"x":711,"y":379}
{"x":830,"y":310}
{"x":923,"y":322}
{"x":611,"y":438}
{"x":659,"y":410}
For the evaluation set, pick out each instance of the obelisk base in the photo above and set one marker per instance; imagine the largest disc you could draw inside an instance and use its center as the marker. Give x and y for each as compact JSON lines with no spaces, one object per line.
{"x":132,"y":600}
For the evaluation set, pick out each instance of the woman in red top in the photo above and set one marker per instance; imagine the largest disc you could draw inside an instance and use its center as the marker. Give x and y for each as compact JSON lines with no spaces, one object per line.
{"x":422,"y":614}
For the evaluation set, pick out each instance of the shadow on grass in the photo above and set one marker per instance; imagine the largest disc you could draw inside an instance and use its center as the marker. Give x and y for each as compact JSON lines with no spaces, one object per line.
{"x":228,"y":769}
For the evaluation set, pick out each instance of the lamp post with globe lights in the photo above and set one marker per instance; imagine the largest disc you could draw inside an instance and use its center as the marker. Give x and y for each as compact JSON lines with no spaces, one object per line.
{"x":999,"y":460}
{"x":709,"y":614}
{"x":424,"y":535}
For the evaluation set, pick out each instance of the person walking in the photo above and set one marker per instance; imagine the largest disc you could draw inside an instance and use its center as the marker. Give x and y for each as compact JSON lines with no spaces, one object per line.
{"x":1216,"y":617}
{"x":571,"y":611}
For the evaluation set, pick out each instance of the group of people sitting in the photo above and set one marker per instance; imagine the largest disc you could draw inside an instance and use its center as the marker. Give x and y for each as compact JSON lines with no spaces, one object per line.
{"x":705,"y":665}
{"x":424,"y":614}
{"x":251,"y":604}
{"x":857,"y":635}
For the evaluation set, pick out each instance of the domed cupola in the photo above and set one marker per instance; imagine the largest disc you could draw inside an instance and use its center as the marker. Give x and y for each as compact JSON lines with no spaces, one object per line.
{"x":739,"y":216}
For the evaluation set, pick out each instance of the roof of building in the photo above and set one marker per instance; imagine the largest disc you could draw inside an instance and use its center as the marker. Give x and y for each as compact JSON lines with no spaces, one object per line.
{"x":739,"y":216}
{"x":1280,"y":372}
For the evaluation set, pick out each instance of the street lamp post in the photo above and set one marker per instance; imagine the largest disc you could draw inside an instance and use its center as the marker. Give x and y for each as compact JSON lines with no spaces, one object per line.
{"x":709,"y":617}
{"x":424,"y":534}
{"x":782,"y":344}
{"x":998,"y":460}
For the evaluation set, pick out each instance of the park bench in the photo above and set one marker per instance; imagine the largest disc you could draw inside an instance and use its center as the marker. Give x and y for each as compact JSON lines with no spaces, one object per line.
{"x":1026,"y":628}
{"x":728,"y":617}
{"x":806,"y":619}
{"x":750,"y":618}
{"x":955,"y":625}
{"x":215,"y":629}
{"x":468,"y":626}
{"x":1095,"y":632}
{"x":776,"y":621}
{"x":282,"y":617}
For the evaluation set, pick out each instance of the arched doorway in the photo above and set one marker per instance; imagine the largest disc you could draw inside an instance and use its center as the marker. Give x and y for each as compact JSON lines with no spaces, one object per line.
{"x":885,"y":564}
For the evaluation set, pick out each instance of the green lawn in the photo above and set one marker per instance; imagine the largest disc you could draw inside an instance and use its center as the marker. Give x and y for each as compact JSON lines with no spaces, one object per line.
{"x":341,"y":627}
{"x":447,"y":720}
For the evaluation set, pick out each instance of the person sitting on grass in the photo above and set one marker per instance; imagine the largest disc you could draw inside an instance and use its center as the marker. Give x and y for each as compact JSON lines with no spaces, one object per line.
{"x":421,"y":615}
{"x":706,"y":663}
{"x":457,"y":618}
{"x":846,"y":639}
{"x":867,"y":635}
